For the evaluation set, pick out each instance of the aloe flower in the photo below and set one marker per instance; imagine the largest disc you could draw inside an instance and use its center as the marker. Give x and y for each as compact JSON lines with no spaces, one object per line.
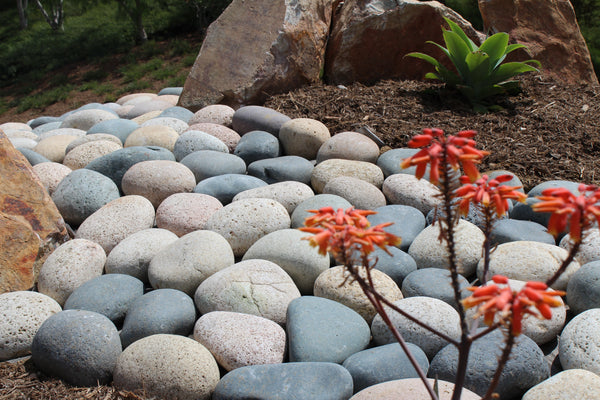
{"x":511,"y":306}
{"x":439,"y":151}
{"x":342,"y":232}
{"x":578,"y":212}
{"x":489,"y":193}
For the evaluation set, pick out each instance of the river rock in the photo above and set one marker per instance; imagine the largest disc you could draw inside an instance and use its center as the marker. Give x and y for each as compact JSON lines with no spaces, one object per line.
{"x":411,"y":389}
{"x":288,"y":193}
{"x":54,"y":147}
{"x":225,"y":187}
{"x":407,"y":221}
{"x":434,"y":282}
{"x":192,"y":141}
{"x":407,"y":190}
{"x":238,"y":340}
{"x":223,"y":133}
{"x":188,"y":261}
{"x":336,"y":284}
{"x":61,"y":132}
{"x":69,"y":266}
{"x":85,"y":119}
{"x":157,"y":179}
{"x":153,"y":135}
{"x":361,"y":194}
{"x":324,"y":330}
{"x":258,"y":118}
{"x":349,"y":146}
{"x":384,"y":363}
{"x":93,"y":335}
{"x":167,"y":366}
{"x":390,"y":161}
{"x":93,"y":137}
{"x":110,"y":295}
{"x":429,"y":252}
{"x":281,"y":169}
{"x":397,"y":265}
{"x":579,"y":343}
{"x":257,"y":145}
{"x":143,"y":107}
{"x":116,"y":220}
{"x":590,"y":246}
{"x":208,"y":163}
{"x":21,"y":315}
{"x":51,"y":174}
{"x":335,"y":167}
{"x":177,"y":112}
{"x":256,"y":287}
{"x":178,"y":125}
{"x":529,"y":261}
{"x":583,"y":289}
{"x":243,"y":222}
{"x":133,"y":254}
{"x":120,"y":128}
{"x":295,"y":256}
{"x":314,"y":203}
{"x":82,"y":193}
{"x":214,"y":114}
{"x":566,"y":385}
{"x":159,"y":311}
{"x":292,"y":380}
{"x":182,"y":213}
{"x":32,"y":157}
{"x":431,"y":311}
{"x":303,"y":137}
{"x":512,"y":230}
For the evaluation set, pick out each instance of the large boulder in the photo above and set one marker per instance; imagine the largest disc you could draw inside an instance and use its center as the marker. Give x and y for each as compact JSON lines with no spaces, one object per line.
{"x":549,"y":30}
{"x":369,"y":39}
{"x":258,"y":48}
{"x":30,"y":224}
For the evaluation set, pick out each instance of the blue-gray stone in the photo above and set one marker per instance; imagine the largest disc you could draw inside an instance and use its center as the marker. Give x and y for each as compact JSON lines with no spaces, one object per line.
{"x":47,"y":127}
{"x":524,"y":212}
{"x":118,"y":127}
{"x":408,"y":222}
{"x":257,"y":118}
{"x":97,"y":106}
{"x":302,"y":381}
{"x":320,"y":329}
{"x":512,"y":230}
{"x":525,"y":368}
{"x":397,"y":265}
{"x":537,"y":190}
{"x":32,"y":156}
{"x":110,"y":295}
{"x":389,"y":162}
{"x":314,"y":203}
{"x":384,"y":363}
{"x":474,"y":216}
{"x":434,"y":282}
{"x":280,"y":169}
{"x":208,"y":163}
{"x":159,"y":311}
{"x":79,"y":347}
{"x":257,"y":145}
{"x":191,"y":141}
{"x":515,"y":181}
{"x":176,"y":91}
{"x":180,"y":113}
{"x":115,"y":164}
{"x":583,"y":289}
{"x":225,"y":187}
{"x":39,"y":121}
{"x":82,"y":193}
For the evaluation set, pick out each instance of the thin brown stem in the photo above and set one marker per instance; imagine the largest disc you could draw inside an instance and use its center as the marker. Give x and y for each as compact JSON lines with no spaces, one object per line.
{"x":510,"y":341}
{"x":570,"y":257}
{"x":488,"y":214}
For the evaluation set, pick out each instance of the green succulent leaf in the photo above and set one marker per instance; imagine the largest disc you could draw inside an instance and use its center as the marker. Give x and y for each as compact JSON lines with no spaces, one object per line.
{"x":508,"y":70}
{"x":495,"y":47}
{"x":458,"y":50}
{"x":424,"y":57}
{"x":457,"y":29}
{"x":479,"y":69}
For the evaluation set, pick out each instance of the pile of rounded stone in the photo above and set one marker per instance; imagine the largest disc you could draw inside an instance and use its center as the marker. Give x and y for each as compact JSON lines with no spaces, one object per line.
{"x":188,"y":278}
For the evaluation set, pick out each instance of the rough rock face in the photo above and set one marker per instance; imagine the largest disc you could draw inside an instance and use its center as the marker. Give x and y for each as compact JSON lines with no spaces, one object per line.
{"x":369,"y":39}
{"x":259,"y":47}
{"x":30,"y":225}
{"x":550,"y":31}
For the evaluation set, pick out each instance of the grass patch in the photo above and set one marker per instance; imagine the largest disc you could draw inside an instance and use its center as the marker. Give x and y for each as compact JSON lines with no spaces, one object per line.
{"x":45,"y":98}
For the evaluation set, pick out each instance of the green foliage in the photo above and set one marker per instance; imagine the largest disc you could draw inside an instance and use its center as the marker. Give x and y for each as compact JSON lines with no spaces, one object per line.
{"x":469,"y":10}
{"x":588,"y":17}
{"x":480,"y":71}
{"x":45,"y":98}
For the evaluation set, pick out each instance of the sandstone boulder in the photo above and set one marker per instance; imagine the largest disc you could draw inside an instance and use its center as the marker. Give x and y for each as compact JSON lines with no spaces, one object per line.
{"x":30,"y":225}
{"x":258,"y":47}
{"x":369,"y":39}
{"x":550,"y":32}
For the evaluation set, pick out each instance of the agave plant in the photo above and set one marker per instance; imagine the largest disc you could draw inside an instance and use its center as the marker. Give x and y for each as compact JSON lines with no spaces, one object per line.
{"x":480,"y":71}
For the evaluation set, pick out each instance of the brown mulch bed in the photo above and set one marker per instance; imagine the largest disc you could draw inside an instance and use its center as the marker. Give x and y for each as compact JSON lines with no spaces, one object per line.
{"x":548,"y":131}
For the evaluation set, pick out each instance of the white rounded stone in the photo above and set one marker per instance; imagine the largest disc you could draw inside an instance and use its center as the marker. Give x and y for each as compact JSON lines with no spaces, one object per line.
{"x":23,"y":143}
{"x":54,"y":147}
{"x":243,"y":222}
{"x":529,"y":261}
{"x":178,"y":125}
{"x":79,"y":133}
{"x":116,"y":220}
{"x":407,"y":190}
{"x":158,"y":179}
{"x":335,"y":167}
{"x":146,"y":116}
{"x":135,"y":98}
{"x":303,"y":137}
{"x":288,"y":193}
{"x":69,"y":266}
{"x":238,"y":340}
{"x":566,"y":385}
{"x":337,"y":284}
{"x":411,"y":389}
{"x":50,"y":174}
{"x":214,"y":114}
{"x":85,"y":119}
{"x":361,"y":194}
{"x":256,"y":287}
{"x":21,"y":314}
{"x":9,"y":127}
{"x":83,"y":154}
{"x":188,"y":261}
{"x":589,"y":250}
{"x":167,"y":367}
{"x":154,"y":105}
{"x":182,"y":213}
{"x":153,"y":135}
{"x":133,"y":254}
{"x":349,"y":146}
{"x":223,"y":133}
{"x":579,"y":342}
{"x":428,"y":252}
{"x":91,"y":138}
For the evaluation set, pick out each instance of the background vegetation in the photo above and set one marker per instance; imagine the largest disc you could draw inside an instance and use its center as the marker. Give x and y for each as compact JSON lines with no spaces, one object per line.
{"x":111,"y":47}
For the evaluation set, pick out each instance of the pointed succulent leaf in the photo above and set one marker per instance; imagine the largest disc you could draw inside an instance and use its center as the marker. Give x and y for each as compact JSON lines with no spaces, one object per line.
{"x":458,"y":52}
{"x":432,"y":75}
{"x":495,"y":47}
{"x":424,"y":57}
{"x":457,"y":29}
{"x":508,"y":70}
{"x":479,"y":69}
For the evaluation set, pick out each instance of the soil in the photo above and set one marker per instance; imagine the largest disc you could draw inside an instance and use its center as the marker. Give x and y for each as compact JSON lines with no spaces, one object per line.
{"x":547,"y":131}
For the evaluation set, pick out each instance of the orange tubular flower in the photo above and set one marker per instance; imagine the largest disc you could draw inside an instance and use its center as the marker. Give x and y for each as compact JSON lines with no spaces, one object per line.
{"x":512,"y":306}
{"x":567,"y":209}
{"x":458,"y":150}
{"x":490,"y":193}
{"x":341,"y":231}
